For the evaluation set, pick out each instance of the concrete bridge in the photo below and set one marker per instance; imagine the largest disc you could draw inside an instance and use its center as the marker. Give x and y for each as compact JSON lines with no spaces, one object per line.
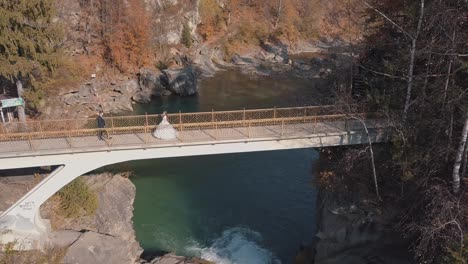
{"x":72,"y":146}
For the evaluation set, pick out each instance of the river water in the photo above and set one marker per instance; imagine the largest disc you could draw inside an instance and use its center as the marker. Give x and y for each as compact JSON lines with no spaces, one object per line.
{"x":235,"y":208}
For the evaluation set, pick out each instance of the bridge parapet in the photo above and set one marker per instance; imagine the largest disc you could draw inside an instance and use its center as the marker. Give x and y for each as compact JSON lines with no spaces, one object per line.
{"x":76,"y":134}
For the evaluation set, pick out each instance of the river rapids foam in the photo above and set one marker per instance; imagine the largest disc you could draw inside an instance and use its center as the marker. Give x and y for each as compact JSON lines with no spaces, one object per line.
{"x":237,"y":246}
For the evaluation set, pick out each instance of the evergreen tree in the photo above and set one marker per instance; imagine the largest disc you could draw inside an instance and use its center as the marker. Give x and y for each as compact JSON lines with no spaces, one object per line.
{"x":28,"y":41}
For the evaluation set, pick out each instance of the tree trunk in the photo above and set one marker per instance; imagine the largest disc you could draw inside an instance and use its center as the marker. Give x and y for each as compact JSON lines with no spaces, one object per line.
{"x":20,"y":91}
{"x":371,"y":150}
{"x":280,"y":10}
{"x":447,"y":80}
{"x":465,"y":165}
{"x":411,"y":63}
{"x":450,"y":133}
{"x":459,"y":157}
{"x":428,"y":67}
{"x":410,"y":78}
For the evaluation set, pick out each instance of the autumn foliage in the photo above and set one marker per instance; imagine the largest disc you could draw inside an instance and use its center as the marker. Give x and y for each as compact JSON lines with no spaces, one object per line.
{"x":126,"y":34}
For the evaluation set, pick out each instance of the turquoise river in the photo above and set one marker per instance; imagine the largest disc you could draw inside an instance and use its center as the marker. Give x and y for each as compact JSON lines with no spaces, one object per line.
{"x":236,"y":208}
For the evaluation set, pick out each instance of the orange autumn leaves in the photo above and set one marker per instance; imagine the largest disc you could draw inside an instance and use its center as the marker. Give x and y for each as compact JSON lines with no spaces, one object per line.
{"x":127,"y":35}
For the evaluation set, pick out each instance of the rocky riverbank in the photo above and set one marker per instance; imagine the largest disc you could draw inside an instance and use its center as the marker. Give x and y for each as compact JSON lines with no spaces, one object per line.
{"x":118,"y":94}
{"x":353,"y":226}
{"x":105,"y":237}
{"x":356,"y":231}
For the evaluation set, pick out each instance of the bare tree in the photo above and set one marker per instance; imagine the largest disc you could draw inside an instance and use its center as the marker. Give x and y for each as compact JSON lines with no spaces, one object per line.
{"x":459,"y":156}
{"x":20,"y":91}
{"x":414,"y":38}
{"x":352,"y":112}
{"x":278,"y":11}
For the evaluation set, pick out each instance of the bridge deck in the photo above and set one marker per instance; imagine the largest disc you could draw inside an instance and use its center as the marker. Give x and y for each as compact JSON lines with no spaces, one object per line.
{"x":39,"y":145}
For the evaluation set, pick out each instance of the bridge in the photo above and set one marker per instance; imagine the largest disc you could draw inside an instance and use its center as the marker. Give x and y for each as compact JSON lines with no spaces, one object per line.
{"x":73,"y":148}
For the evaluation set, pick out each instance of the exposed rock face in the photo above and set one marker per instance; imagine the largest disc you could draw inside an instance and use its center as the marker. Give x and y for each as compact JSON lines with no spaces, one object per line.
{"x":93,"y":247}
{"x":150,"y":84}
{"x":109,"y":236}
{"x":170,"y":16}
{"x":356,"y":233}
{"x":182,"y":81}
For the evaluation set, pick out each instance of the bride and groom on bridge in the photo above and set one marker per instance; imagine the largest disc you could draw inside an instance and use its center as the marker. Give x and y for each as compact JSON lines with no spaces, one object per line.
{"x":163,"y":131}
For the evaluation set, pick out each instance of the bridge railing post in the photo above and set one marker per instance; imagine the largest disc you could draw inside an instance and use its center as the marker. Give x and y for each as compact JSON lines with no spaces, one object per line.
{"x":248,"y":129}
{"x":274,"y":115}
{"x":243,"y":118}
{"x":315,"y":123}
{"x":212,"y":116}
{"x":216,"y":129}
{"x":305,"y":113}
{"x":68,"y":137}
{"x":112,"y":124}
{"x":282,"y":127}
{"x":30,"y":142}
{"x":180,"y":124}
{"x":147,"y":129}
{"x":40,"y":126}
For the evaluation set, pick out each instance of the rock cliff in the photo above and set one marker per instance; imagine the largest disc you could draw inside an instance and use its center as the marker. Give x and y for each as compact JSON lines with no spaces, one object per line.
{"x":108,"y":235}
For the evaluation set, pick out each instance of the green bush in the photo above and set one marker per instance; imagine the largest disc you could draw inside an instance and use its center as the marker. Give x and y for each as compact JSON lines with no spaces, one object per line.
{"x":77,"y":199}
{"x":187,"y":36}
{"x":455,"y":255}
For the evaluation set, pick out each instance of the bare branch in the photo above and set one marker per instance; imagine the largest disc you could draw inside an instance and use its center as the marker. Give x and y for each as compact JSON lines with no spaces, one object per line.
{"x":451,"y":54}
{"x":388,"y":19}
{"x":383,"y":74}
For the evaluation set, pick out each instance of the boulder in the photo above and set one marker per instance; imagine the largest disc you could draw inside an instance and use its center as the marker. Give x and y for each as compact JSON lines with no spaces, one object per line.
{"x":181,"y":81}
{"x":86,"y":91}
{"x":72,"y":98}
{"x":280,"y":50}
{"x":150,"y":84}
{"x":238,"y":60}
{"x":128,"y":88}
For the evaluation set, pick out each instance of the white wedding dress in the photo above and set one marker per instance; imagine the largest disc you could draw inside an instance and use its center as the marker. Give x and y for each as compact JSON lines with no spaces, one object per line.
{"x":165,"y":130}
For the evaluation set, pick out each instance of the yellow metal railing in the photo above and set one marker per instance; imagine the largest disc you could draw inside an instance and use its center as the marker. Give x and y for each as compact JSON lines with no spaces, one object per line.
{"x":242,"y":122}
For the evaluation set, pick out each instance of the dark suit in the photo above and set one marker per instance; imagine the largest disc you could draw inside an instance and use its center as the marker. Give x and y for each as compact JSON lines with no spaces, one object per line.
{"x":101,"y":123}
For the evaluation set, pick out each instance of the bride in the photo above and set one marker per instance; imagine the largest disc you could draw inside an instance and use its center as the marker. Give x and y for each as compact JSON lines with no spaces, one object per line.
{"x":165,"y":129}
